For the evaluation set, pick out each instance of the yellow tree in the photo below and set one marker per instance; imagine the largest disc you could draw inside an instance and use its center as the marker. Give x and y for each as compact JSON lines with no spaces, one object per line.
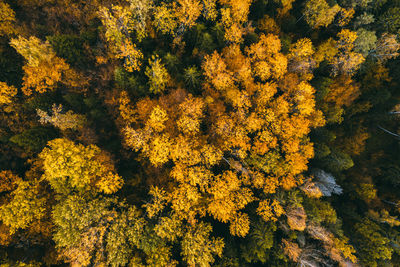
{"x":7,"y":92}
{"x":68,"y":167}
{"x":318,"y":13}
{"x":7,"y":19}
{"x":165,"y":19}
{"x":63,"y":121}
{"x":120,"y":23}
{"x":234,"y":15}
{"x":188,"y":12}
{"x":25,"y":206}
{"x":301,"y":56}
{"x":157,"y":74}
{"x":43,"y":69}
{"x":237,"y":143}
{"x":347,"y":61}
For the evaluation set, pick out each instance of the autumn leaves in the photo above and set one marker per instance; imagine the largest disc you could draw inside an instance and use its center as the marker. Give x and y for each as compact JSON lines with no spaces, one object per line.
{"x":245,"y":133}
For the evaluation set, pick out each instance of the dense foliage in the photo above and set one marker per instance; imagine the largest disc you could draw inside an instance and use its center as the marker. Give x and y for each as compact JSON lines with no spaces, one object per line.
{"x":199,"y":133}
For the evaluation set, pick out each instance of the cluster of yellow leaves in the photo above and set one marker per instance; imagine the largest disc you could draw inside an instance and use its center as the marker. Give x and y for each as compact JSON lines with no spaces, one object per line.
{"x":131,"y":54}
{"x":119,"y":27}
{"x":301,"y":57}
{"x":209,"y":9}
{"x":292,"y":250}
{"x":8,"y":181}
{"x":343,"y":91}
{"x":252,"y":110}
{"x":7,"y":92}
{"x":69,"y":167}
{"x":286,"y":6}
{"x":198,"y":248}
{"x":7,"y":19}
{"x":43,"y":69}
{"x":347,"y":61}
{"x":25,"y":206}
{"x":318,"y":13}
{"x":296,"y":218}
{"x":268,"y":25}
{"x":326,"y":51}
{"x":63,"y":121}
{"x":165,"y":19}
{"x":345,"y":16}
{"x":387,"y":47}
{"x":311,"y":189}
{"x":174,"y":18}
{"x":270,"y":211}
{"x":140,"y":11}
{"x":355,"y":144}
{"x":157,"y":74}
{"x":340,"y":53}
{"x":234,"y":15}
{"x":188,"y":11}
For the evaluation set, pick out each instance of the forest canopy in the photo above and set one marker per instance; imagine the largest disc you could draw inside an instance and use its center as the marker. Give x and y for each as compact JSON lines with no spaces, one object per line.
{"x":199,"y":133}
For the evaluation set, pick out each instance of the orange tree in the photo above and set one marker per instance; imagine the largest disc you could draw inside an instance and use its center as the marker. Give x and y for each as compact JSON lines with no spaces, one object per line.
{"x":239,"y":142}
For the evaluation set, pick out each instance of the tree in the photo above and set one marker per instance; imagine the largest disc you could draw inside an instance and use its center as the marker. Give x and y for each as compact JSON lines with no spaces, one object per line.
{"x":69,"y":120}
{"x":187,"y":12}
{"x":7,"y":92}
{"x":301,"y":56}
{"x":192,"y":76}
{"x":26,"y":205}
{"x":43,"y":69}
{"x":209,"y":9}
{"x":84,"y":228}
{"x":258,"y":242}
{"x":319,"y":13}
{"x":240,"y":126}
{"x":165,"y":19}
{"x":33,"y":139}
{"x":365,"y":42}
{"x":347,"y":61}
{"x":7,"y":20}
{"x":364,"y":19}
{"x":9,"y":181}
{"x":120,"y":22}
{"x":69,"y":167}
{"x":387,"y":47}
{"x":198,"y":248}
{"x":234,"y":14}
{"x":157,"y":74}
{"x":372,"y":244}
{"x":390,"y":20}
{"x":327,"y":183}
{"x":343,"y":91}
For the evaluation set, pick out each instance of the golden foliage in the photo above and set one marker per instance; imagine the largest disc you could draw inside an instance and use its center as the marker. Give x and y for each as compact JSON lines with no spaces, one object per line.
{"x":157,"y":74}
{"x":63,"y":121}
{"x":188,"y":11}
{"x":43,"y":69}
{"x":165,"y":19}
{"x":7,"y":92}
{"x":26,"y":205}
{"x":8,"y":181}
{"x":251,"y":109}
{"x":7,"y":19}
{"x":270,"y":211}
{"x":119,"y":25}
{"x":68,"y":166}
